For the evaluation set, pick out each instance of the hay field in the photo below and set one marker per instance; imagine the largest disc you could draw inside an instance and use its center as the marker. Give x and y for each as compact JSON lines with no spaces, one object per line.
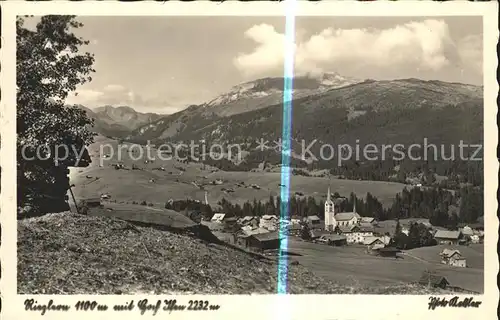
{"x":351,"y":265}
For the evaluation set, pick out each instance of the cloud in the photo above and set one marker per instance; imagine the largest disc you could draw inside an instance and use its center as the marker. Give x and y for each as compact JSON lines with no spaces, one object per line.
{"x":420,"y":44}
{"x":470,"y":51}
{"x":114,"y":87}
{"x":118,"y":95}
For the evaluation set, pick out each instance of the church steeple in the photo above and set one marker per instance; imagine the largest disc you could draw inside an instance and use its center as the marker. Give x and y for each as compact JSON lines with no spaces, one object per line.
{"x":330,"y":222}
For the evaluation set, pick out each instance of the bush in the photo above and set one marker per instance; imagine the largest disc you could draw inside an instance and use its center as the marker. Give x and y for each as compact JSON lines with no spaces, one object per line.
{"x":144,"y":203}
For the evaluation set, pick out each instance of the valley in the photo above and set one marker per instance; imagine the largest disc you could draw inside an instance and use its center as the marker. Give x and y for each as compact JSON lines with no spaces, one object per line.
{"x":176,"y":180}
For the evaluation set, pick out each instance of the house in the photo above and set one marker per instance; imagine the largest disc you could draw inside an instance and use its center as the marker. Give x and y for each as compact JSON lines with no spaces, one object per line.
{"x":433,"y":280}
{"x":246,"y":228}
{"x":269,"y":222}
{"x":249,"y":220}
{"x":447,"y":237}
{"x":374,"y":243}
{"x":477,"y":237}
{"x":333,"y":239}
{"x":231,"y":224}
{"x":313,"y":221}
{"x":355,"y":233}
{"x":386,"y":239}
{"x":218,"y":217}
{"x":368,"y":220}
{"x":293,"y":229}
{"x":316,"y":234}
{"x":467,"y":231}
{"x":405,"y":230}
{"x":362,"y":232}
{"x":295,"y":219}
{"x":453,"y":258}
{"x":260,"y":242}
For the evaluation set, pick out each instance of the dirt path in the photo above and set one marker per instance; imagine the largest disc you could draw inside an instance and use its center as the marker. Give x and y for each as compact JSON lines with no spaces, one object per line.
{"x":414,"y":257}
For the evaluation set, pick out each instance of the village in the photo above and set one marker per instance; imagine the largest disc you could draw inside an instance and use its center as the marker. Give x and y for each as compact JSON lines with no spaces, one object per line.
{"x":364,"y":235}
{"x":263,"y":234}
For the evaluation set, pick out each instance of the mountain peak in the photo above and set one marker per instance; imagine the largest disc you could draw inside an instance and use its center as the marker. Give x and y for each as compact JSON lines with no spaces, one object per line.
{"x":109,"y":108}
{"x":271,"y":88}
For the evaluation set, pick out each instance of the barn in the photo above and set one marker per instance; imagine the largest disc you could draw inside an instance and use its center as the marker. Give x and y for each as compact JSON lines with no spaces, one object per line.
{"x":448,"y":237}
{"x":260,"y":241}
{"x":433,"y":280}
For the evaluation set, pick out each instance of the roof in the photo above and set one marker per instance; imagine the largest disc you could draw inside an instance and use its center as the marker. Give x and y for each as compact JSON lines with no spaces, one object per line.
{"x":246,"y":228}
{"x":366,"y":227}
{"x":390,"y":249}
{"x":247,"y":218}
{"x":370,"y":240}
{"x":318,"y":233}
{"x":346,"y":216}
{"x":445,"y":234}
{"x":432,"y":278}
{"x":293,"y":226}
{"x":268,"y":236}
{"x":250,"y":232}
{"x":345,"y":229}
{"x":450,"y":253}
{"x":334,"y":237}
{"x":367,"y":219}
{"x":316,"y":218}
{"x":319,"y":225}
{"x":269,"y":217}
{"x":426,"y":223}
{"x":385,"y":239}
{"x":218,"y":216}
{"x":212,"y":225}
{"x":467,"y":231}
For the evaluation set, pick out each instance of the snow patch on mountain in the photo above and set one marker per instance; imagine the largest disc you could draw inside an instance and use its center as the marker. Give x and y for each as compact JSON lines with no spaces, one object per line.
{"x":270,"y":87}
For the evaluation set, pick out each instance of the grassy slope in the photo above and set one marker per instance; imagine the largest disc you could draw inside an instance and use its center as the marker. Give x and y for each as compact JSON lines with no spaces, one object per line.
{"x":66,"y":253}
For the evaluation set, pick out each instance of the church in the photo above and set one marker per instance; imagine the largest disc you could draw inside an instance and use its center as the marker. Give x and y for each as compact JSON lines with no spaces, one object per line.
{"x":340,"y":219}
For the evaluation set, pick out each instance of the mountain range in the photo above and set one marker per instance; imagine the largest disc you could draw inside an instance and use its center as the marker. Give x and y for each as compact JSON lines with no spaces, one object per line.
{"x":329,"y":108}
{"x":118,"y":121}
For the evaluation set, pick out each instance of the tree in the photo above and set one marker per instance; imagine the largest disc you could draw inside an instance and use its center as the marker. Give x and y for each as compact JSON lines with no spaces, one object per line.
{"x":270,"y":208}
{"x":49,"y":66}
{"x":398,"y":229}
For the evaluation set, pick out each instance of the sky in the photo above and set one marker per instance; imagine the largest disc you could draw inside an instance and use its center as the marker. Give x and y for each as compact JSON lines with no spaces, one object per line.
{"x":165,"y":64}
